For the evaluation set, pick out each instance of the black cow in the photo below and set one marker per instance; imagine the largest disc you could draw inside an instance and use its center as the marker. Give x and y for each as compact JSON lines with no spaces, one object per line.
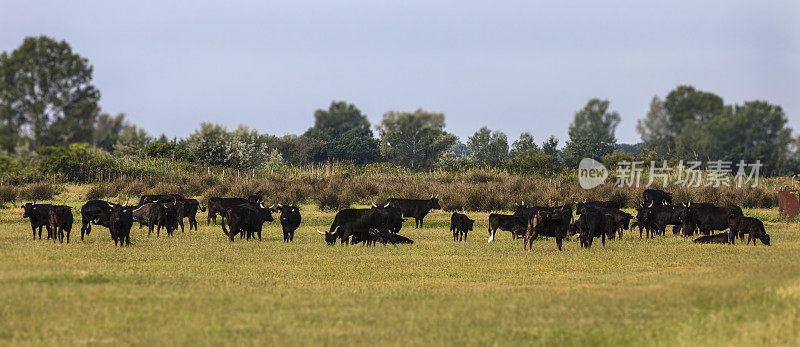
{"x":551,"y":224}
{"x":157,"y":215}
{"x":718,"y":238}
{"x":187,"y":208}
{"x":460,"y":225}
{"x":748,"y":225}
{"x":218,"y":206}
{"x":290,"y":220}
{"x":394,"y":216}
{"x":621,"y":220}
{"x":60,"y":219}
{"x":246,"y":218}
{"x":515,"y":224}
{"x":94,"y":212}
{"x":594,"y":223}
{"x":656,"y":197}
{"x":417,"y":209}
{"x":355,"y":222}
{"x":709,"y":218}
{"x":120,"y":221}
{"x":159,"y":198}
{"x":689,"y":227}
{"x":579,"y":206}
{"x":39,"y":216}
{"x":660,"y":216}
{"x":374,"y":235}
{"x":256,"y":198}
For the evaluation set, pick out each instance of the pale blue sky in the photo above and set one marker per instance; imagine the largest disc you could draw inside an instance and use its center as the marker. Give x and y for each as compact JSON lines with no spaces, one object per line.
{"x":512,"y":65}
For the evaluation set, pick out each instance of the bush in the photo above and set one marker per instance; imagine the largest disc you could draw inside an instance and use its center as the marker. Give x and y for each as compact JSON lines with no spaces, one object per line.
{"x":100,"y":191}
{"x":7,"y":194}
{"x":37,"y":191}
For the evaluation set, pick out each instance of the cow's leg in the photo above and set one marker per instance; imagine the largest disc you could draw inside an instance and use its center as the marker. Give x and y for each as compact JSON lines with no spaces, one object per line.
{"x":558,"y":242}
{"x":465,"y":236}
{"x":68,"y":232}
{"x":603,"y":237}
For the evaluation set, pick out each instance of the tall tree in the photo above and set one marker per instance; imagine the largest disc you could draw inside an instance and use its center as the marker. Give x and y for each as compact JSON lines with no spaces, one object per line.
{"x":107,"y":130}
{"x":656,"y":130}
{"x":343,"y":133}
{"x":591,"y":134}
{"x":488,"y":147}
{"x":689,"y":111}
{"x":524,"y":144}
{"x":46,"y":92}
{"x":414,"y":139}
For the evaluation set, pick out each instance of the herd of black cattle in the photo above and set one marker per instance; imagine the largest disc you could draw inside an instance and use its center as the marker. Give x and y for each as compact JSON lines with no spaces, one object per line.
{"x":381,"y":224}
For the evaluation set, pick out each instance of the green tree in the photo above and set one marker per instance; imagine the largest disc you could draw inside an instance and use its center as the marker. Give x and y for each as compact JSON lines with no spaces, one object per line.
{"x":414,"y":139}
{"x":524,"y":144}
{"x":656,"y":130}
{"x":488,"y":147}
{"x":591,"y":134}
{"x":208,"y":145}
{"x":46,"y":92}
{"x":550,"y":147}
{"x":107,"y":129}
{"x":131,"y":141}
{"x":689,"y":111}
{"x":342,"y":133}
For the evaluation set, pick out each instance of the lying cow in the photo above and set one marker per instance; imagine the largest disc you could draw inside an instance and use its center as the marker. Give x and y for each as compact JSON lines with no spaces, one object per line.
{"x":753,"y":227}
{"x":460,"y":225}
{"x":60,"y":220}
{"x":718,"y":238}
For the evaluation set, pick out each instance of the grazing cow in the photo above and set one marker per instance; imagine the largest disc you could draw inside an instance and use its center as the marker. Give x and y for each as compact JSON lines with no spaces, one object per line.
{"x":460,"y":224}
{"x":594,"y":223}
{"x":157,"y":215}
{"x":290,"y":220}
{"x":710,"y":218}
{"x":417,"y":209}
{"x":748,"y":225}
{"x":159,"y":198}
{"x":120,"y":221}
{"x":515,"y":224}
{"x":579,"y":206}
{"x":656,"y":197}
{"x":355,"y":222}
{"x":718,"y":238}
{"x":187,"y":208}
{"x":94,"y":212}
{"x":551,"y":224}
{"x":218,"y":206}
{"x":60,"y":219}
{"x":246,"y":218}
{"x":39,"y":216}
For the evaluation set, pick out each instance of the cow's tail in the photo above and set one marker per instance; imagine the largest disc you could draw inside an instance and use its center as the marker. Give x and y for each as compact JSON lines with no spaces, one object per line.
{"x":200,"y":206}
{"x":224,"y":229}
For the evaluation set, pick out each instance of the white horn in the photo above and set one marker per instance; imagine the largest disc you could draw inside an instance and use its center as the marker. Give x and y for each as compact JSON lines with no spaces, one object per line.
{"x":373,"y":204}
{"x":387,"y":205}
{"x":273,"y":205}
{"x":315,"y":228}
{"x":651,"y":205}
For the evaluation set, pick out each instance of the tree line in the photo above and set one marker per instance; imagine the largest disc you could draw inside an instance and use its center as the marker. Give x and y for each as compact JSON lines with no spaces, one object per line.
{"x":47,"y":100}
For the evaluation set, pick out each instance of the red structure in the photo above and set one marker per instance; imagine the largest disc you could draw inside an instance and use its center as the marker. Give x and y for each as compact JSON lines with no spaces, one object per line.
{"x":789,"y":204}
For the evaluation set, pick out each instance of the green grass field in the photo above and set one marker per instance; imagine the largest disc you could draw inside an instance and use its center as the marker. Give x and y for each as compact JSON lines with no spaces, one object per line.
{"x":197,"y":287}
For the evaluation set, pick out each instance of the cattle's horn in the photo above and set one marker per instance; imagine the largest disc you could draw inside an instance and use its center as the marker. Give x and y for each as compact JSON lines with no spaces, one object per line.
{"x":336,"y":230}
{"x":262,"y":205}
{"x":684,"y":204}
{"x":523,"y":202}
{"x":437,"y":196}
{"x":651,"y":205}
{"x":373,"y":204}
{"x":315,"y":228}
{"x":690,"y":204}
{"x":387,"y":205}
{"x":273,"y":205}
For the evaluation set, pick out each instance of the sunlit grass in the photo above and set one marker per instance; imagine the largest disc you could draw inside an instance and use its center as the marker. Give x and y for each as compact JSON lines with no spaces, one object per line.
{"x":197,"y":287}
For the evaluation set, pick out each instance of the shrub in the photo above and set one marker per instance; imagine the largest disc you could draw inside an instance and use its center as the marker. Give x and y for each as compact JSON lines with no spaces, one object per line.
{"x":37,"y":191}
{"x":7,"y":194}
{"x":100,"y":191}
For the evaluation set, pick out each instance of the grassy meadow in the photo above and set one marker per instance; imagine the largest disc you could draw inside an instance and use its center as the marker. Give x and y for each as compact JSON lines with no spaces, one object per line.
{"x":198,"y":288}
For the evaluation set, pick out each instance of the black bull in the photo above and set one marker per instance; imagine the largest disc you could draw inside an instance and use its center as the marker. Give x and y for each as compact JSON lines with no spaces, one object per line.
{"x":417,"y":209}
{"x":357,"y":222}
